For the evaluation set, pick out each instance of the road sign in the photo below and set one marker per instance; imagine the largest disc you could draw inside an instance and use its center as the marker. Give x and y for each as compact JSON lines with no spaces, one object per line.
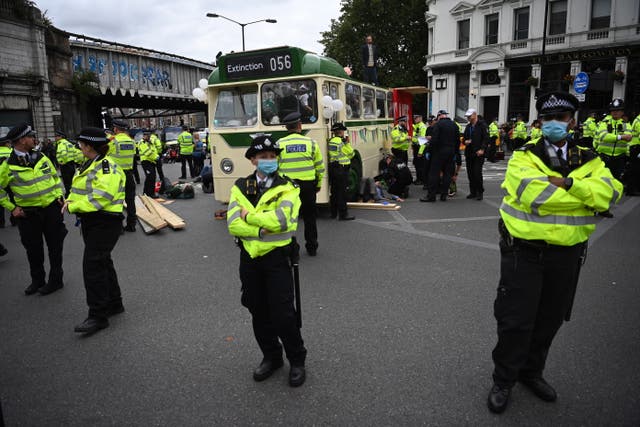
{"x":581,"y":97}
{"x":581,"y":82}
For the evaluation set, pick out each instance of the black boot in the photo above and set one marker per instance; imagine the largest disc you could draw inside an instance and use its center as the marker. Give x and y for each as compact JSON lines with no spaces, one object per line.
{"x":91,"y":325}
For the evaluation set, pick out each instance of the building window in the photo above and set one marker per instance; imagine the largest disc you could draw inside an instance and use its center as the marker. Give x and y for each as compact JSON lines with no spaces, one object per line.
{"x":463,"y":34}
{"x":489,"y":77}
{"x":519,"y":92}
{"x":462,"y":95}
{"x":600,"y":14}
{"x":521,"y":23}
{"x":557,"y":17}
{"x":491,"y":29}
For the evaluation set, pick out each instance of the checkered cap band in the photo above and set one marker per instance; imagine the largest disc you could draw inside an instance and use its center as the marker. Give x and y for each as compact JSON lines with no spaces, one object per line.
{"x":24,"y":133}
{"x":554,"y":103}
{"x":92,"y":138}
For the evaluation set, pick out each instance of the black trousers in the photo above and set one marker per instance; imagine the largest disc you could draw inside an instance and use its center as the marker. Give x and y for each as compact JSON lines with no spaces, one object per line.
{"x":633,"y":170}
{"x":440,"y":162}
{"x":309,"y":213}
{"x":47,"y":222}
{"x":418,"y":164}
{"x":267,"y":291}
{"x":338,"y":181}
{"x":198,"y":164}
{"x":401,"y":155}
{"x":615,"y":164}
{"x":534,"y":294}
{"x":491,"y":149}
{"x":474,"y":172}
{"x":186,"y":158}
{"x":100,"y":233}
{"x":130,"y":197}
{"x":518,"y":142}
{"x":67,"y":171}
{"x":586,"y":141}
{"x":149,"y":169}
{"x":159,"y":168}
{"x":136,"y":174}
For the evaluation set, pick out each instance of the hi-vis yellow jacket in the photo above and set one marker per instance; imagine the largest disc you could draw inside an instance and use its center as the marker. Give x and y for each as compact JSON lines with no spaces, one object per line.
{"x":98,"y":187}
{"x":276,"y":211}
{"x":608,"y":140}
{"x":34,"y":184}
{"x":122,"y":150}
{"x":301,"y":158}
{"x":535,"y":209}
{"x":400,"y":138}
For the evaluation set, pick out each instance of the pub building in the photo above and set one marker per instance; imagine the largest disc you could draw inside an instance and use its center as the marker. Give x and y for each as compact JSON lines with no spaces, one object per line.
{"x":497,"y":60}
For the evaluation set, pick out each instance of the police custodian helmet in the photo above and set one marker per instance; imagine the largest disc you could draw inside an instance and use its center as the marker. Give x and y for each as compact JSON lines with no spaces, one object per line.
{"x":556,"y":102}
{"x":260,"y":143}
{"x":616,"y":105}
{"x":338,"y":126}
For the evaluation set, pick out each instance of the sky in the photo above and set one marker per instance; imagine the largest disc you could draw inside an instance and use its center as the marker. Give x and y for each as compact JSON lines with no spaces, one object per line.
{"x":180,"y":27}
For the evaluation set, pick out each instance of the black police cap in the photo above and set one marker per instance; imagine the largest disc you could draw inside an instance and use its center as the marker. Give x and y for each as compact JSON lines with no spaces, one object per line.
{"x":60,"y":133}
{"x":402,"y":119}
{"x":94,"y":137}
{"x":291,"y":118}
{"x":260,"y":143}
{"x":20,"y":131}
{"x":120,"y":123}
{"x":338,"y":126}
{"x":556,"y":102}
{"x":616,"y":105}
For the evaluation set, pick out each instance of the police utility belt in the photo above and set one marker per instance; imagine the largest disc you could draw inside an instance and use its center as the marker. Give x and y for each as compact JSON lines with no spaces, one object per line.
{"x":338,"y":165}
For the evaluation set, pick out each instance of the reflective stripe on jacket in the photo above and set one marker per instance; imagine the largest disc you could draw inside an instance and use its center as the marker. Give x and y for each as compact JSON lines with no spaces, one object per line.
{"x":535,"y":209}
{"x":185,"y":140}
{"x":607,"y":138}
{"x":147,"y":151}
{"x":36,"y":185}
{"x":98,"y":187}
{"x":520,"y":130}
{"x":122,"y":149}
{"x":300,"y":158}
{"x":340,"y":151}
{"x":399,"y":139}
{"x":276,"y":212}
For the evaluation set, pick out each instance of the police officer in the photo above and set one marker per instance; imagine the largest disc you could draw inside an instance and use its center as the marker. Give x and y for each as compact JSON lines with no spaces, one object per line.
{"x":476,"y":139}
{"x":66,"y":156}
{"x":340,"y":155}
{"x":263,"y":208}
{"x":185,"y":144}
{"x":589,"y":130}
{"x":444,"y":144}
{"x":400,"y":140}
{"x":148,"y":158}
{"x":519,"y":132}
{"x":633,"y":173}
{"x":553,"y":189}
{"x":612,"y":138}
{"x":494,"y":134}
{"x":419,"y":131}
{"x":157,"y":144}
{"x":5,"y":152}
{"x":97,"y":196}
{"x":37,"y":197}
{"x":122,"y":150}
{"x":301,"y":160}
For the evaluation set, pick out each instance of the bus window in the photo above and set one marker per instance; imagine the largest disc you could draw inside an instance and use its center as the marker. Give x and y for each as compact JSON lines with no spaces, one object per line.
{"x":353,"y":101}
{"x":333,"y":90}
{"x":368,"y":97}
{"x":237,"y":107}
{"x":380,"y":98}
{"x":282,"y":98}
{"x":390,"y":105}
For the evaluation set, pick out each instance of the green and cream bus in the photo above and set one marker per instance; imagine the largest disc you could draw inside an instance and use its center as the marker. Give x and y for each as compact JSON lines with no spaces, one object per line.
{"x":251,"y":92}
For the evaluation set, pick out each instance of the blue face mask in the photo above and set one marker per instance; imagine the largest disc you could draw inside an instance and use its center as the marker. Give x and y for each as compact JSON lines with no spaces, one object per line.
{"x":555,"y":130}
{"x":268,"y":166}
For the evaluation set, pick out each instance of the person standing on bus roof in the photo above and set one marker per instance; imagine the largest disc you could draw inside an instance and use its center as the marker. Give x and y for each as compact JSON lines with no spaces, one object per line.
{"x":369,"y":53}
{"x":301,"y":160}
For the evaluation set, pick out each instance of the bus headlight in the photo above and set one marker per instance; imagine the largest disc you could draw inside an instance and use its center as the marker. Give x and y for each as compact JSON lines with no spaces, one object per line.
{"x":226,"y":166}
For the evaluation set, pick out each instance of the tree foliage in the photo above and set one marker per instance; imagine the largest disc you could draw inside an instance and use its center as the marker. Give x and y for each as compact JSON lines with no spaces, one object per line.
{"x":398,"y":29}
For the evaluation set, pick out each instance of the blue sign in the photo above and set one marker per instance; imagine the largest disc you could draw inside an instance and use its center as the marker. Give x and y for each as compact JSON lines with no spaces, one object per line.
{"x":581,"y":82}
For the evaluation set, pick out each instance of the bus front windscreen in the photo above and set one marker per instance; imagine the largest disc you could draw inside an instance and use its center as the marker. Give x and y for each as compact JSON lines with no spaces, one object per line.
{"x":237,"y":107}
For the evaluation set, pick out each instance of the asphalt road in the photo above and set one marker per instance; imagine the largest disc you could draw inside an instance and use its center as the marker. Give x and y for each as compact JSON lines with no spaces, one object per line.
{"x":397,"y":319}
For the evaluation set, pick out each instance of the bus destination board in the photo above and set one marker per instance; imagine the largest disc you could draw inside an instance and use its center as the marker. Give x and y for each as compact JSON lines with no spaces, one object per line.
{"x":263,"y":65}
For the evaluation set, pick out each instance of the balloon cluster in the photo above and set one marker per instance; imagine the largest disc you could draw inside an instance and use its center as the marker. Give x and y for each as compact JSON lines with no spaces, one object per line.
{"x":330,"y":106}
{"x":199,"y":92}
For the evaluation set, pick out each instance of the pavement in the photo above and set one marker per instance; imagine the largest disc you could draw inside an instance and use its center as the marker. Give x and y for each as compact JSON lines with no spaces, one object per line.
{"x":397,"y":319}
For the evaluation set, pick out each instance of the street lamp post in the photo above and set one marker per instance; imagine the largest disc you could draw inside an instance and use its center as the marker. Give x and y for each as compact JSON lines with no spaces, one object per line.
{"x":215,"y":15}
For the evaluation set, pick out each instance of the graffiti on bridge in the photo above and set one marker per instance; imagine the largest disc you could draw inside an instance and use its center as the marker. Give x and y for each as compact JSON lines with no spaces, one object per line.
{"x":155,"y":76}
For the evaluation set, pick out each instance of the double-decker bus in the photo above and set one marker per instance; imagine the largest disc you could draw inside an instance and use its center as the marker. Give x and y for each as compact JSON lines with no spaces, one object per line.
{"x":251,"y":92}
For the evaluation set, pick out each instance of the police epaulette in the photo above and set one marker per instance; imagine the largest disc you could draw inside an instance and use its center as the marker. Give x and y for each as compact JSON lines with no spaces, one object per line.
{"x":105,"y":166}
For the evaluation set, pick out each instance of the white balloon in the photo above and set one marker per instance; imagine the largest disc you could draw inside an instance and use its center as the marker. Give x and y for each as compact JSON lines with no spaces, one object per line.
{"x":327,"y":112}
{"x":203,"y":83}
{"x":337,"y":105}
{"x":326,"y":101}
{"x":198,"y":94}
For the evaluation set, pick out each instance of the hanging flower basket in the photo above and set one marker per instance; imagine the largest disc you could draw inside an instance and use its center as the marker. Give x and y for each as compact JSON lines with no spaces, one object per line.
{"x":531,"y":81}
{"x":618,"y":76}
